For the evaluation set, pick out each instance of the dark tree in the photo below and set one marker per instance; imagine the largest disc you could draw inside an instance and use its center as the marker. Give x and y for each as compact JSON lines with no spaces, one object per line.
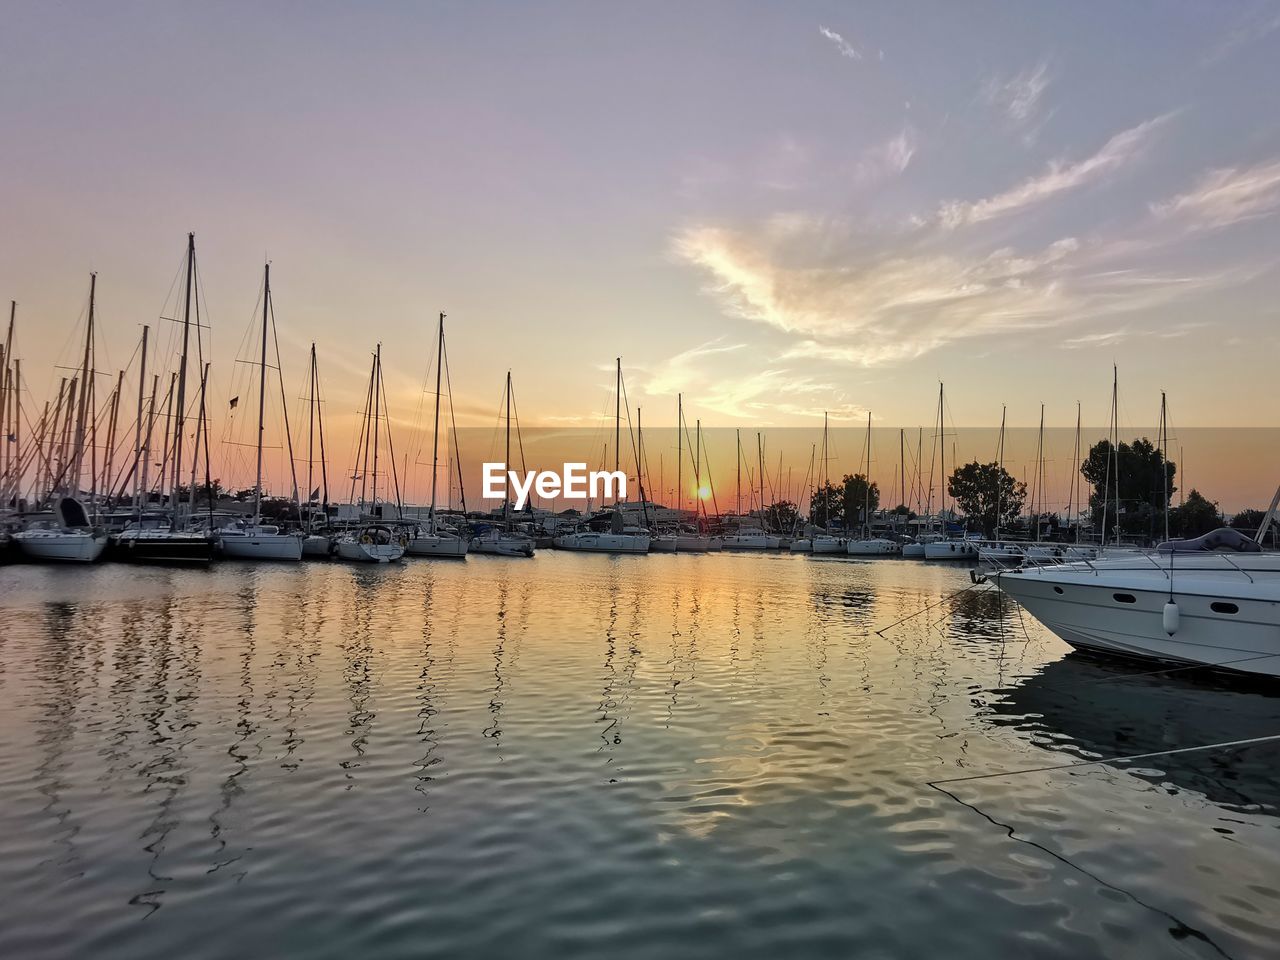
{"x":783,"y":515}
{"x":1196,"y":516}
{"x":987,"y":494}
{"x":828,"y":506}
{"x":856,"y":496}
{"x":1141,"y":470}
{"x":1248,"y":521}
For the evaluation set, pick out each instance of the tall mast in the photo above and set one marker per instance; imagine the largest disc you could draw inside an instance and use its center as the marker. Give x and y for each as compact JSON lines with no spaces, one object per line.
{"x":902,"y":464}
{"x":1111,"y":454}
{"x":1039,"y":507}
{"x":739,"y":435}
{"x":377,"y":413}
{"x":311,"y":430}
{"x":697,"y":467}
{"x":1075,"y":479}
{"x":5,"y":385}
{"x":679,"y":454}
{"x":1164,"y":459}
{"x":1000,"y":475}
{"x":942,"y":456}
{"x":262,"y":392}
{"x":506,"y":496}
{"x":178,"y":422}
{"x":137,"y":438}
{"x":617,"y":419}
{"x":77,"y":453}
{"x":202,"y":434}
{"x":866,"y":486}
{"x":760,"y":457}
{"x":435,"y":430}
{"x":17,"y":430}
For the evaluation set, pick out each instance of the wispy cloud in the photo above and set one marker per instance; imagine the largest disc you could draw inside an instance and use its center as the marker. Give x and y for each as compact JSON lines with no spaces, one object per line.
{"x":887,"y":159}
{"x":1247,"y":30}
{"x":1227,"y":196}
{"x":1058,"y":178}
{"x":844,"y":46}
{"x":1018,"y":97}
{"x":847,"y":299}
{"x":681,"y":371}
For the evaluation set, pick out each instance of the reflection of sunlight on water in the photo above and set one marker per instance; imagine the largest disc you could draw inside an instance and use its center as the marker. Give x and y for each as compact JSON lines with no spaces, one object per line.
{"x":686,"y":737}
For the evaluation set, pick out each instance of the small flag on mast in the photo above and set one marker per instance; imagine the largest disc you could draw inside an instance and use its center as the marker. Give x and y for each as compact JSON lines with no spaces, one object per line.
{"x":234,"y":402}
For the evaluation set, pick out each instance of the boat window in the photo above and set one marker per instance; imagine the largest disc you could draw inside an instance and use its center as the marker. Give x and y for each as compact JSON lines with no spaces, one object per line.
{"x":1221,"y":606}
{"x":1057,"y":589}
{"x":1125,"y":598}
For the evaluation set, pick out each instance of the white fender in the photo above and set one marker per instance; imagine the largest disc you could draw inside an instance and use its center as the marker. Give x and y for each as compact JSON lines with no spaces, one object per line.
{"x":1171,"y":618}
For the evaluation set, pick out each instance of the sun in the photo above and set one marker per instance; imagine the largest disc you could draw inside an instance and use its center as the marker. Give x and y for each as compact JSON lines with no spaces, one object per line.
{"x":704,"y":492}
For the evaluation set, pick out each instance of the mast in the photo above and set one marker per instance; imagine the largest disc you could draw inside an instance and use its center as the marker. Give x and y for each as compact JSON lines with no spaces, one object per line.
{"x":5,"y":385}
{"x":760,"y":457}
{"x":77,"y":452}
{"x":311,"y":431}
{"x":1000,"y":475}
{"x":866,"y":486}
{"x":262,"y":393}
{"x":1164,"y":459}
{"x":617,"y":419}
{"x":137,"y":438}
{"x":902,"y":464}
{"x":1039,"y":507}
{"x":739,"y":465}
{"x":435,"y":430}
{"x":1075,"y":479}
{"x":506,"y":495}
{"x":1106,"y":486}
{"x":697,"y":468}
{"x":202,"y":434}
{"x":377,"y":406}
{"x":942,"y":458}
{"x":679,"y":454}
{"x":179,"y":421}
{"x":17,"y":430}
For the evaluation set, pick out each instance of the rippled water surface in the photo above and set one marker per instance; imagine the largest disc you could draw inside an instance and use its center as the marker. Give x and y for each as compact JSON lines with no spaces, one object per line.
{"x":664,"y":756}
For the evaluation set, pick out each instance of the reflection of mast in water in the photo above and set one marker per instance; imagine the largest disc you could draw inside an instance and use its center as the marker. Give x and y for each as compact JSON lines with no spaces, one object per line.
{"x":246,"y":728}
{"x":494,"y":729}
{"x":55,"y":670}
{"x":310,"y":604}
{"x":357,"y":670}
{"x":616,"y":694}
{"x":428,"y":684}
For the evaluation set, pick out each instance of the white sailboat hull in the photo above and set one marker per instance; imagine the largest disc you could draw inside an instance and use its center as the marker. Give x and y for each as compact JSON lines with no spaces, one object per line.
{"x":592,"y":542}
{"x":752,"y":541}
{"x":497,"y":544}
{"x":680,"y":543}
{"x":316,"y":546}
{"x":875,"y":547}
{"x":913,"y":551}
{"x":951,"y":550}
{"x":437,"y":545}
{"x":261,"y":546}
{"x":827,"y":545}
{"x":357,"y":552}
{"x":61,"y":546}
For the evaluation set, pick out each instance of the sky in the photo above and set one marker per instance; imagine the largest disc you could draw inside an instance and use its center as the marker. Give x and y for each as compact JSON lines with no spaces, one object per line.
{"x":774,"y":209}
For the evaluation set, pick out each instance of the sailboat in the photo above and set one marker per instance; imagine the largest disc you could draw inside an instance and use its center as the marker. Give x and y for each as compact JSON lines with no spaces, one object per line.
{"x":684,"y":539}
{"x":618,"y":538}
{"x":949,"y":548}
{"x":826,"y":542}
{"x":158,"y":537}
{"x":67,"y":533}
{"x":368,"y":539}
{"x":316,"y":544}
{"x":504,"y":540}
{"x":431,"y":540}
{"x":867,"y":545}
{"x":256,"y":540}
{"x":750,"y":538}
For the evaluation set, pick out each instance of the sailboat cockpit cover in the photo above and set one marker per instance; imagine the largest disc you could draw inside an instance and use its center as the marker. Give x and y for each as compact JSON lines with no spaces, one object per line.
{"x":1224,"y":538}
{"x":71,"y":513}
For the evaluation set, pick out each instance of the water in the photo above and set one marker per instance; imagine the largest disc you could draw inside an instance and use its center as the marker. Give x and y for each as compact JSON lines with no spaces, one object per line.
{"x":579,"y":755}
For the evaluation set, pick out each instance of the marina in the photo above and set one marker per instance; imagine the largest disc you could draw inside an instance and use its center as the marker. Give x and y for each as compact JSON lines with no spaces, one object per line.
{"x":724,"y":753}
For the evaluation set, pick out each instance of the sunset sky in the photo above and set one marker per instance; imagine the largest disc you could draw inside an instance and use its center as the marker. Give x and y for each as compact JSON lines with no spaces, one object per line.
{"x":778,"y":209}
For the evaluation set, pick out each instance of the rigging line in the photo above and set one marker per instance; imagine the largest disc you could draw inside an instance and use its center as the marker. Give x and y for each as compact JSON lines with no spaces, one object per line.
{"x":1181,"y":928}
{"x":1249,"y":741}
{"x":911,"y":616}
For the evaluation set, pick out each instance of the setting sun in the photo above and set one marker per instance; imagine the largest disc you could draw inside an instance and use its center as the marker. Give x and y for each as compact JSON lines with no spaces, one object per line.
{"x":704,"y":492}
